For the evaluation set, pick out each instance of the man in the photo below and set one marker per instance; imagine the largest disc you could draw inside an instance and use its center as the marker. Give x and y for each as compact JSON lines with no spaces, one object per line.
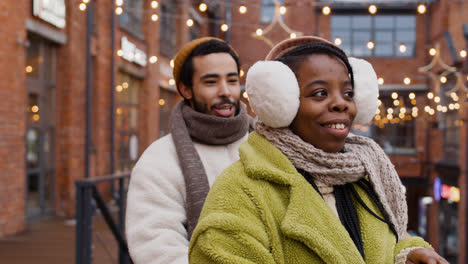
{"x":170,"y":181}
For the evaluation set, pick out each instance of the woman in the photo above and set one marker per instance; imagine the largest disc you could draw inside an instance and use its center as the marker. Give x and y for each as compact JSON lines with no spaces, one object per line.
{"x":304,"y":189}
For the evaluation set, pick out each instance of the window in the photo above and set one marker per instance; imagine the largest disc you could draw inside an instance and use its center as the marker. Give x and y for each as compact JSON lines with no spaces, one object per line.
{"x":394,"y":125}
{"x":126,"y":121}
{"x":168,"y":29}
{"x":132,"y":17}
{"x":392,"y":35}
{"x":449,"y":120}
{"x":267,"y":11}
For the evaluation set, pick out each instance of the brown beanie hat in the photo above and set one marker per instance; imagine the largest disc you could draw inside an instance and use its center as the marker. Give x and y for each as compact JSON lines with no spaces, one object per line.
{"x":184,"y":53}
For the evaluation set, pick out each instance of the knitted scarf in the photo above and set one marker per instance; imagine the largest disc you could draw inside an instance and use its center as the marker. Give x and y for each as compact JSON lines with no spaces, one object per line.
{"x":187,"y":125}
{"x":360,"y":156}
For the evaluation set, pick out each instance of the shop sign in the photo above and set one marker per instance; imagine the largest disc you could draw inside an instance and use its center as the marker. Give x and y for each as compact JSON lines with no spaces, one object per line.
{"x":51,"y":11}
{"x":445,"y":191}
{"x":131,"y":53}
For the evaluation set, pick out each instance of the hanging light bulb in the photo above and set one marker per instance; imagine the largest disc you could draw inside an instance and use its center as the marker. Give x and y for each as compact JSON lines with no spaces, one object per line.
{"x":83,"y":6}
{"x":432,"y":51}
{"x":338,"y":41}
{"x":421,"y":9}
{"x":154,"y":17}
{"x":189,"y":22}
{"x":380,"y":81}
{"x":407,"y":80}
{"x":154,"y":4}
{"x":372,"y":9}
{"x":370,"y":45}
{"x":203,"y":7}
{"x":282,"y":10}
{"x":326,"y":10}
{"x":259,"y":32}
{"x":224,"y":27}
{"x":242,"y":9}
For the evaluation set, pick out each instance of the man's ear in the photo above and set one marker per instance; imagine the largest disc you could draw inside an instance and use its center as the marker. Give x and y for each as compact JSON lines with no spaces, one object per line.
{"x":185,"y":91}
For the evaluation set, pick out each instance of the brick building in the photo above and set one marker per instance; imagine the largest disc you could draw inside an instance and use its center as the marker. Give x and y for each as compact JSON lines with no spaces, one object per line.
{"x":79,"y":108}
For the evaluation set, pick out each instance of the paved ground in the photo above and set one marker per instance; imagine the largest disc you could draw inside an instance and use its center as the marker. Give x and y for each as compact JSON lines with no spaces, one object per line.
{"x":53,"y":241}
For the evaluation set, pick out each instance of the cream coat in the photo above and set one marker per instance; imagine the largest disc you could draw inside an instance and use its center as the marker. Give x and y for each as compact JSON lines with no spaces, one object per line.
{"x":156,"y":200}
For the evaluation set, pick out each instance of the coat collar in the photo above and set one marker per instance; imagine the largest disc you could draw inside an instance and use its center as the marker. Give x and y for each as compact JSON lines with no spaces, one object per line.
{"x":308,"y":218}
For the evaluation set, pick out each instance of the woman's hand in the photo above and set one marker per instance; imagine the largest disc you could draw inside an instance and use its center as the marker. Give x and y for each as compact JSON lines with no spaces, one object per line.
{"x":424,"y":256}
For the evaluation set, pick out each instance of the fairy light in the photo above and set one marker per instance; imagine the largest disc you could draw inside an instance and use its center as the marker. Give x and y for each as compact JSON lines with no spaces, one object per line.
{"x":241,"y":73}
{"x":326,"y":10}
{"x":396,"y":102}
{"x":413,"y":102}
{"x":125,"y":85}
{"x":118,"y":11}
{"x":120,"y":53}
{"x":203,"y":7}
{"x":457,"y":106}
{"x":443,"y":79}
{"x":154,"y":4}
{"x":439,"y":108}
{"x":427,"y":108}
{"x":85,"y":1}
{"x":414,"y":109}
{"x":394,"y":95}
{"x":370,"y":45}
{"x":412,"y":96}
{"x":431,"y":111}
{"x":390,"y":111}
{"x":154,"y":17}
{"x":401,"y":115}
{"x":153,"y":59}
{"x":35,"y":108}
{"x":29,"y":69}
{"x":171,"y":82}
{"x":242,"y":9}
{"x":282,"y":10}
{"x":403,"y":48}
{"x":224,"y":27}
{"x":245,"y":95}
{"x":451,"y":106}
{"x":171,"y":63}
{"x":119,"y":88}
{"x":407,"y":80}
{"x":432,"y":52}
{"x":162,"y":102}
{"x":378,"y":111}
{"x":430,"y":95}
{"x":437,"y":99}
{"x":338,"y":41}
{"x":189,"y":22}
{"x":119,"y":2}
{"x":421,"y":9}
{"x":259,"y":32}
{"x":293,"y":35}
{"x":380,"y":81}
{"x":463,"y":53}
{"x":372,"y":9}
{"x":82,"y":6}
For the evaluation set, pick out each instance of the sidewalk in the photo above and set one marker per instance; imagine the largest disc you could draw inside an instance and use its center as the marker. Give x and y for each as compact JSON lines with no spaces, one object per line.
{"x":53,"y":241}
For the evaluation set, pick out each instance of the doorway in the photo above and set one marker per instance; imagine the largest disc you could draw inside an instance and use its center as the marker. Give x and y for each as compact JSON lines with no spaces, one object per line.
{"x":40,"y":128}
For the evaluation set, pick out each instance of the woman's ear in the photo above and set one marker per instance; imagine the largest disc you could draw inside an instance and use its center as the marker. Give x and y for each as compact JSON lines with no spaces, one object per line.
{"x":185,"y":91}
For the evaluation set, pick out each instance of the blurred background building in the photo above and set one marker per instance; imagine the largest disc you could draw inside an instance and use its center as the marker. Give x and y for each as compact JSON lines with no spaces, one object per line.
{"x":88,"y":86}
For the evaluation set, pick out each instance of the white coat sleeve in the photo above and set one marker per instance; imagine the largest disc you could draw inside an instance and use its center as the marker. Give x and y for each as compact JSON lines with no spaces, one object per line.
{"x":155,"y":214}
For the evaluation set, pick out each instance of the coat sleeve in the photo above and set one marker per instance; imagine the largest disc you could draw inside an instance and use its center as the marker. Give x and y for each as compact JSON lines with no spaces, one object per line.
{"x":155,"y":214}
{"x":231,"y":228}
{"x":403,"y":247}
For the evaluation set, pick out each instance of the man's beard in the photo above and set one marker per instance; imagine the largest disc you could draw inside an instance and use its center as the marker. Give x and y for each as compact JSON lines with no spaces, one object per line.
{"x":203,"y":108}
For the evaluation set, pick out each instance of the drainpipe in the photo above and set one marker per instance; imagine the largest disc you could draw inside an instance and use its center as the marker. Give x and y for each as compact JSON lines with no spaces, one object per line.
{"x":465,"y":33}
{"x":89,"y":31}
{"x":111,"y":95}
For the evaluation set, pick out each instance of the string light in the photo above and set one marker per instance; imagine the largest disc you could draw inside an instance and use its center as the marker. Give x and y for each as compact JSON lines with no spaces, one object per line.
{"x":403,"y":48}
{"x":380,"y":81}
{"x":421,"y":9}
{"x":29,"y":69}
{"x":119,"y":88}
{"x":394,"y":95}
{"x":118,"y":11}
{"x":171,"y":82}
{"x":171,"y":63}
{"x":326,"y":10}
{"x":430,"y":95}
{"x":245,"y":95}
{"x":407,"y":80}
{"x":432,"y":51}
{"x":125,"y":85}
{"x":82,"y":6}
{"x":372,"y":9}
{"x":282,"y":10}
{"x":370,"y":45}
{"x":85,"y":1}
{"x":189,"y":22}
{"x":153,"y":59}
{"x":120,"y":53}
{"x":413,"y":102}
{"x":224,"y":27}
{"x":154,"y":4}
{"x":242,"y":9}
{"x":396,"y":102}
{"x":119,"y":2}
{"x":443,"y":79}
{"x":338,"y":41}
{"x":412,"y":96}
{"x":203,"y":7}
{"x":241,"y":73}
{"x":390,"y":111}
{"x":437,"y":99}
{"x":154,"y":17}
{"x":292,"y":35}
{"x":35,"y":108}
{"x":463,"y":53}
{"x":162,"y":102}
{"x":259,"y":32}
{"x":427,"y":108}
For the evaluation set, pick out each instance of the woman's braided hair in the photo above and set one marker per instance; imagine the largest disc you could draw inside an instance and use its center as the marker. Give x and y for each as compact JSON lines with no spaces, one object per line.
{"x":297,"y":55}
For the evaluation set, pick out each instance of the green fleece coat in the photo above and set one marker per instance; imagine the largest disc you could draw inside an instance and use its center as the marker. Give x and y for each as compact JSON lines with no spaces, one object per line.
{"x":261,"y":210}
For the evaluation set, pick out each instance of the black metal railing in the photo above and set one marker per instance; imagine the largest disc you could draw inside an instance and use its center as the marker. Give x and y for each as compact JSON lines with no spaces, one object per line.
{"x":88,"y":199}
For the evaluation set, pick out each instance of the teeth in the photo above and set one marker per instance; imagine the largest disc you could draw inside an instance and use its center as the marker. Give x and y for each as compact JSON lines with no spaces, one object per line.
{"x":336,"y":126}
